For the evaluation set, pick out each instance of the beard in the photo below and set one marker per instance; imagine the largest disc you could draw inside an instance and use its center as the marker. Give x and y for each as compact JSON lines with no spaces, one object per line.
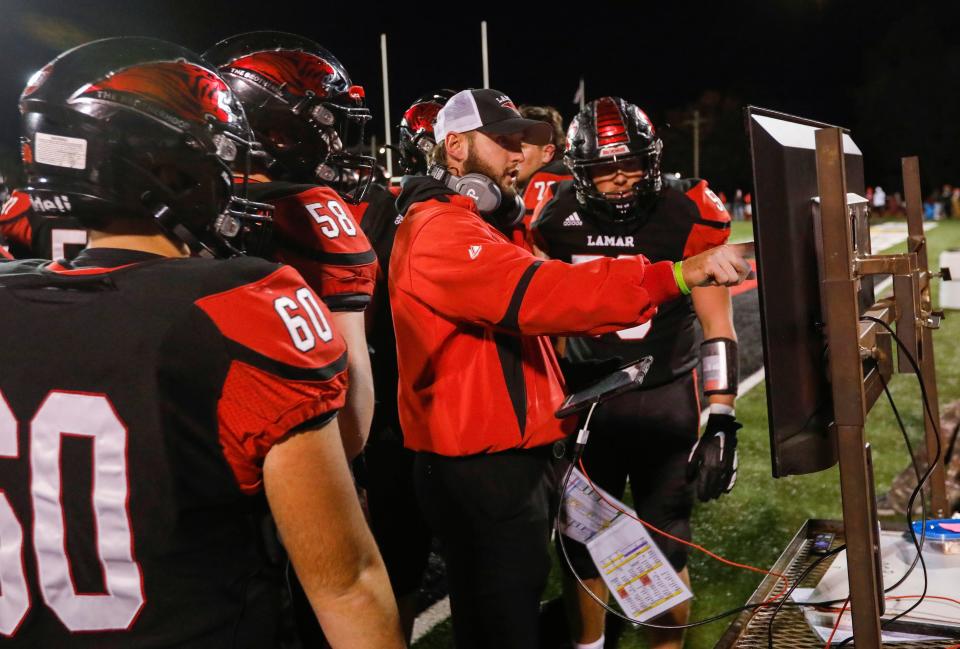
{"x":474,"y":165}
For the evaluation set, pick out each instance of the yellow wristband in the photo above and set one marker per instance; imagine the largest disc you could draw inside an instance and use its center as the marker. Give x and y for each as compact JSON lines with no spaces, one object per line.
{"x":678,"y":275}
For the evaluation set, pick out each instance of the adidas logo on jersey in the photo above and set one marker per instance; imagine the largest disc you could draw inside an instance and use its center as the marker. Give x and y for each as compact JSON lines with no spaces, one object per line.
{"x":605,"y":240}
{"x":572,"y":221}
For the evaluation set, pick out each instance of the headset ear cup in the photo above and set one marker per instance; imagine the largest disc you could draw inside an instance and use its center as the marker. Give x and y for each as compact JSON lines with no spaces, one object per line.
{"x":509,"y":214}
{"x":482,"y":190}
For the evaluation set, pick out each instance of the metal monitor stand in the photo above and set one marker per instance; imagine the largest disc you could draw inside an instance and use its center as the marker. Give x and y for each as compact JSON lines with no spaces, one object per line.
{"x":851,"y":342}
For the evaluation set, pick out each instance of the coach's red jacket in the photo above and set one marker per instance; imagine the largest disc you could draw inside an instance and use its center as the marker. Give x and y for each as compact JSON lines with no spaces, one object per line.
{"x":472,"y":313}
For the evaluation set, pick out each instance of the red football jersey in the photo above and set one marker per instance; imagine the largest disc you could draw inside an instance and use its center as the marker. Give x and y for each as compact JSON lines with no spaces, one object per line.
{"x":136,"y":411}
{"x":539,"y":187}
{"x":315,"y":231}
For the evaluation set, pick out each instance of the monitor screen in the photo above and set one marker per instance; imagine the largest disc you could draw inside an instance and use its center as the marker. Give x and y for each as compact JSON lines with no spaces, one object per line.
{"x":799,"y":401}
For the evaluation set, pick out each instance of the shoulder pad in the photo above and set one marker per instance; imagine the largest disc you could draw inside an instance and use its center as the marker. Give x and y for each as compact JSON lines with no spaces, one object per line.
{"x":277,"y":317}
{"x":711,"y":208}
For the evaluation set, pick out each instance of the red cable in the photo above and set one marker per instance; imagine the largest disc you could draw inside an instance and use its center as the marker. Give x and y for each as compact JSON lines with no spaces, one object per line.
{"x":688,"y":543}
{"x":847,"y":602}
{"x":836,"y":625}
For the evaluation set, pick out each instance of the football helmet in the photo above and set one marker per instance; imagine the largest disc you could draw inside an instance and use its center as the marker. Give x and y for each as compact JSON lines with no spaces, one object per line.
{"x":416,"y":131}
{"x":145,"y":129}
{"x":610,"y":132}
{"x":301,"y":104}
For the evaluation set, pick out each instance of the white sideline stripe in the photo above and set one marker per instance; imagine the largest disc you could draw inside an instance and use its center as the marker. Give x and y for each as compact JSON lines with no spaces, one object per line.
{"x":430,"y":618}
{"x":441,"y":610}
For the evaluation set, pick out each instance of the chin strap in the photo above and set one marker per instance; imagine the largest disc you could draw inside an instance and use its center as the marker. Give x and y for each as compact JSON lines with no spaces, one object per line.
{"x":178,"y":233}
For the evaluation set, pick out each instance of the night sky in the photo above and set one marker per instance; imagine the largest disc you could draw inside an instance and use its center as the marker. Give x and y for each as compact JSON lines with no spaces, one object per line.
{"x":889,"y":73}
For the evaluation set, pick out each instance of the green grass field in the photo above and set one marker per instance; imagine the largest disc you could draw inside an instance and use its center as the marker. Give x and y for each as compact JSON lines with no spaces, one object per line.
{"x":754,"y":523}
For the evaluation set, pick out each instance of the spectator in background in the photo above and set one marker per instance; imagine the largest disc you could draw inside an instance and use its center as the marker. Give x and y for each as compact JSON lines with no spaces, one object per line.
{"x":955,"y":203}
{"x":895,"y":204}
{"x":738,"y":205}
{"x":748,"y":206}
{"x":879,"y":201}
{"x":930,"y":208}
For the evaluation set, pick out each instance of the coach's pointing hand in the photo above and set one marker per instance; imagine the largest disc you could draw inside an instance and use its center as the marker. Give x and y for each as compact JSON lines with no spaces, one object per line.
{"x":721,"y":266}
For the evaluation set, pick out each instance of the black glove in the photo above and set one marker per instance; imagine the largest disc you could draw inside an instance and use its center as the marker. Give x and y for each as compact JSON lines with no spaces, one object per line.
{"x":713,"y":460}
{"x":581,"y":374}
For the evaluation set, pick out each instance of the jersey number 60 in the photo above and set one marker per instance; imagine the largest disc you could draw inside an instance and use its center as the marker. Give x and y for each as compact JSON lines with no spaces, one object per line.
{"x":79,"y":415}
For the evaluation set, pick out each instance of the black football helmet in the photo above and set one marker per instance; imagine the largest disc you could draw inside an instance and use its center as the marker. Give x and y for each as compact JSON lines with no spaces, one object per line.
{"x":416,"y":131}
{"x":611,"y":130}
{"x":301,"y":104}
{"x":140,"y":128}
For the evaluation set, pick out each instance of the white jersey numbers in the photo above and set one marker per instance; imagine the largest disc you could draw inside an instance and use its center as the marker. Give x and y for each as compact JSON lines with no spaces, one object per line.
{"x":303,"y":331}
{"x":332,"y":218}
{"x":93,"y":417}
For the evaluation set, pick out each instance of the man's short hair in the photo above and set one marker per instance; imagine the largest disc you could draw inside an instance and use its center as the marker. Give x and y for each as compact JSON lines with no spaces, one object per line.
{"x":551,"y":116}
{"x":438,"y":154}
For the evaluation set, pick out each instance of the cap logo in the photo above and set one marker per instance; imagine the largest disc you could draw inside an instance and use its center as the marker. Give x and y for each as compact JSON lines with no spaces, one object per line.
{"x":504,"y":101}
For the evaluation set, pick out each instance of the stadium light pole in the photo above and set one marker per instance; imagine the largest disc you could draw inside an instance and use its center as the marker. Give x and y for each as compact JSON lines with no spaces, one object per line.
{"x":386,"y":104}
{"x":581,"y":94}
{"x":696,"y":143}
{"x":485,"y":53}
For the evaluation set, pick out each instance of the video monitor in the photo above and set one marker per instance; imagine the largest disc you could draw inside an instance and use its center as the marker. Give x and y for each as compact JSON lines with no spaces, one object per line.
{"x":799,"y":401}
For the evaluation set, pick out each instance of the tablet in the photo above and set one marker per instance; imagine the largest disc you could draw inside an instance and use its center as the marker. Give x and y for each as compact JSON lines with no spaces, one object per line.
{"x":628,"y":377}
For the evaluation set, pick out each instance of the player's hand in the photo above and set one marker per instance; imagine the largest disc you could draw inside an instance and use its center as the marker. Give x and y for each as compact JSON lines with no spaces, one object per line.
{"x":714,"y":458}
{"x":725,"y":265}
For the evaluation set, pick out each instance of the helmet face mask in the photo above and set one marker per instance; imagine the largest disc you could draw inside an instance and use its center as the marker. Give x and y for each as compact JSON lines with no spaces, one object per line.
{"x":136,"y":128}
{"x":302,"y":106}
{"x":608,"y":137}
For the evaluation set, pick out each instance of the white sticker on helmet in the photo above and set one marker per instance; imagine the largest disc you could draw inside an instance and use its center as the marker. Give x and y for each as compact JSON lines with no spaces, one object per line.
{"x":60,"y":151}
{"x":613,"y":149}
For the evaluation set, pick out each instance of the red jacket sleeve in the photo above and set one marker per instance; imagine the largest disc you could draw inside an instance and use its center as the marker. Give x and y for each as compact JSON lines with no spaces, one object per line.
{"x":316,"y":233}
{"x":465,"y":270}
{"x":287,"y":366}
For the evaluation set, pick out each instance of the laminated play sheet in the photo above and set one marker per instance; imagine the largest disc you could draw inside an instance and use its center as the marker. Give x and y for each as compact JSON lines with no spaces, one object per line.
{"x":641,"y":579}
